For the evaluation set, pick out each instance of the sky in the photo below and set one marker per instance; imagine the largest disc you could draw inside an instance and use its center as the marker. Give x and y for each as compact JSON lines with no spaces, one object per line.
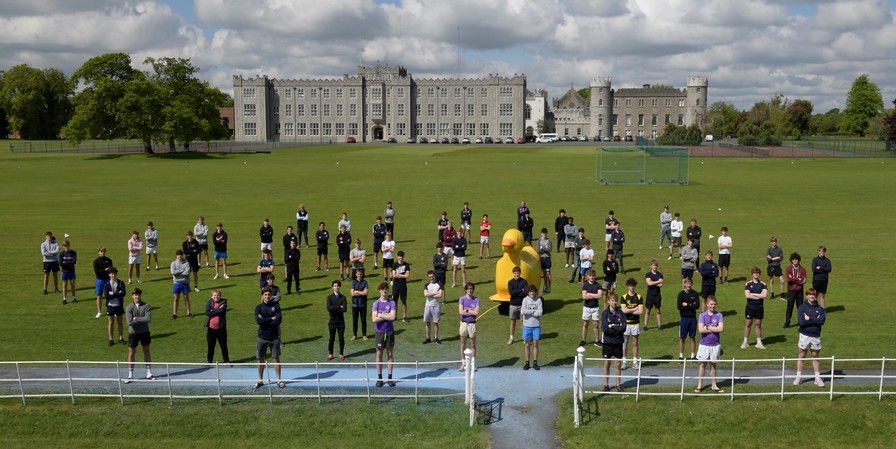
{"x":750,"y":50}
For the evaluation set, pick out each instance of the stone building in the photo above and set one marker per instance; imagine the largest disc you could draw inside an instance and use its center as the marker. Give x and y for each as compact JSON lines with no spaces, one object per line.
{"x":378,"y":103}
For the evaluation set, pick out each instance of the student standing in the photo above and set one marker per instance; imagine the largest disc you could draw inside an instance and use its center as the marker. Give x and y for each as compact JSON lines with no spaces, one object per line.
{"x":485,"y":228}
{"x":389,"y":218}
{"x":468,"y":307}
{"x":323,"y":242}
{"x":633,"y":307}
{"x":459,"y":249}
{"x":219,"y":238}
{"x":755,"y":292}
{"x":67,"y":260}
{"x":336,"y":306}
{"x":400,"y":274}
{"x":180,"y":272}
{"x":302,"y":225}
{"x":543,"y":247}
{"x":358,"y":293}
{"x":466,"y":221}
{"x":688,"y":303}
{"x":266,"y":234}
{"x":200,"y":231}
{"x":591,"y":294}
{"x":114,"y":291}
{"x":811,"y":316}
{"x":710,"y":325}
{"x":821,"y":268}
{"x":774,"y":255}
{"x":49,"y":250}
{"x":135,"y":248}
{"x":379,"y":235}
{"x":675,"y":229}
{"x":292,"y":258}
{"x":151,"y":236}
{"x":216,"y":326}
{"x":796,"y":278}
{"x":516,"y":287}
{"x":709,"y":271}
{"x":139,"y":316}
{"x":432,"y":312}
{"x":612,"y":324}
{"x":101,"y":267}
{"x":383,"y":317}
{"x":531,"y":312}
{"x":559,"y":224}
{"x":268,"y":317}
{"x":725,"y":245}
{"x":665,"y":226}
{"x":192,"y":249}
{"x":654,"y":280}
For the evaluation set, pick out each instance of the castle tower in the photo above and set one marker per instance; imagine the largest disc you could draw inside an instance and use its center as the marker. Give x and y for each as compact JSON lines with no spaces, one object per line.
{"x":695,"y":104}
{"x":601,"y":107}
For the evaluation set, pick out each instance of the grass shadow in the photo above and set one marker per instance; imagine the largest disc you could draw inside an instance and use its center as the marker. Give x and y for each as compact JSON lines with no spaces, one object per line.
{"x":590,"y":410}
{"x":192,"y":155}
{"x":780,"y":338}
{"x":549,"y":335}
{"x":834,"y":309}
{"x":565,"y":361}
{"x":503,"y":363}
{"x":361,"y":352}
{"x":303,"y":340}
{"x":297,"y":306}
{"x":553,"y":305}
{"x":157,"y":336}
{"x":664,"y":357}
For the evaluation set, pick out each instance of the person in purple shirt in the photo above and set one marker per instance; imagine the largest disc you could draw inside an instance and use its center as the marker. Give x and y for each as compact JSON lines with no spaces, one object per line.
{"x":710,"y":325}
{"x":383,"y":317}
{"x":468,"y":307}
{"x":521,"y":214}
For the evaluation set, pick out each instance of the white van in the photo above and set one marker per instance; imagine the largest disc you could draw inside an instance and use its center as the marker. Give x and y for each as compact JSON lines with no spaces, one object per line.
{"x":547,"y":138}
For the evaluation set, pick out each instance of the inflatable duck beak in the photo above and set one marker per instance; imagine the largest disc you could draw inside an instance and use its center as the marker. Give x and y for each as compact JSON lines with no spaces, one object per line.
{"x":508,"y":242}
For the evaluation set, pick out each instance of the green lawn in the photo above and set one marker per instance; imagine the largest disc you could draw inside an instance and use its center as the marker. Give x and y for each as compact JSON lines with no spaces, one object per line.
{"x":100,"y":199}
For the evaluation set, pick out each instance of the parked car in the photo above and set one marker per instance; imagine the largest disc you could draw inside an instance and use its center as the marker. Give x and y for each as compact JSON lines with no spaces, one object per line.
{"x":520,"y":140}
{"x":629,"y":139}
{"x":445,"y":140}
{"x":350,"y":140}
{"x":498,"y":140}
{"x":455,"y":140}
{"x":617,"y":138}
{"x":478,"y":140}
{"x":391,"y":140}
{"x":606,"y":138}
{"x":424,"y":140}
{"x":508,"y":140}
{"x":411,"y":140}
{"x":489,"y":140}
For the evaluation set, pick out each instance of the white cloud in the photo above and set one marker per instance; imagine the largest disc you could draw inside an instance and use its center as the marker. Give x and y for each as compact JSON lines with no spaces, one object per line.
{"x":846,"y":15}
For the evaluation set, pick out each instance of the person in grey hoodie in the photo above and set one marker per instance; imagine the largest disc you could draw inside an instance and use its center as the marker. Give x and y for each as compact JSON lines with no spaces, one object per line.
{"x":49,"y":249}
{"x":138,"y":316}
{"x":689,"y":256}
{"x":180,"y":271}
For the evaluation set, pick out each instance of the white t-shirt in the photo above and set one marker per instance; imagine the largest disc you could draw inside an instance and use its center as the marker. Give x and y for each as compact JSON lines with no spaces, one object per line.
{"x":586,"y":252}
{"x":432,"y":292}
{"x":676,"y":226}
{"x":388,"y":246}
{"x":724,"y":241}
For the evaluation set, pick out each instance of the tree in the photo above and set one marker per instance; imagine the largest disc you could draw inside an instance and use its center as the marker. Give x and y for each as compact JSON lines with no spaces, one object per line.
{"x":36,"y":101}
{"x":104,"y":83}
{"x":680,"y":135}
{"x":863,"y":103}
{"x":542,"y":126}
{"x":827,"y":123}
{"x":890,"y":123}
{"x":722,"y":119}
{"x":799,"y":114}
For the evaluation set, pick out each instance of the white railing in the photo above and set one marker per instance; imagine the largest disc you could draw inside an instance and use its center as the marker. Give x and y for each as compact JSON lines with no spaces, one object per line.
{"x":82,"y":379}
{"x":735,"y":375}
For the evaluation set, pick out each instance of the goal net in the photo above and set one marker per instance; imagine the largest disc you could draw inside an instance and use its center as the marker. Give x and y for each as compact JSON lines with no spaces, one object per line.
{"x":642,"y":165}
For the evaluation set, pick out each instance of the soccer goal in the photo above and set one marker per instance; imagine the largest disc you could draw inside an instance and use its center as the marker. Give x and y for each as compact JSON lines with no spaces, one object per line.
{"x":642,"y":165}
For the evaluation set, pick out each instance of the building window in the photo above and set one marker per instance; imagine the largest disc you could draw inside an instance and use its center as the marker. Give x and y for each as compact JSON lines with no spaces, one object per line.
{"x":668,"y":119}
{"x":376,"y":93}
{"x":506,"y":109}
{"x":458,"y":129}
{"x":506,"y":91}
{"x":248,"y":92}
{"x":315,"y":129}
{"x":528,"y":112}
{"x":276,"y":111}
{"x":484,"y":110}
{"x":389,"y":110}
{"x":401,"y":110}
{"x":681,"y":103}
{"x":444,"y":92}
{"x":457,"y":92}
{"x":338,"y":93}
{"x":506,"y":129}
{"x":628,"y":120}
{"x":327,"y":129}
{"x":352,"y":110}
{"x":615,"y":119}
{"x":699,"y":89}
{"x":640,"y":102}
{"x":483,"y":129}
{"x":288,"y":93}
{"x":353,"y":92}
{"x":656,"y":102}
{"x":457,"y":110}
{"x":443,"y":129}
{"x":339,"y":110}
{"x":377,"y":109}
{"x":249,"y":110}
{"x":653,"y":121}
{"x":471,"y":110}
{"x":249,"y":128}
{"x":431,"y":110}
{"x":300,"y":127}
{"x":418,"y":109}
{"x":313,"y":94}
{"x":668,"y":102}
{"x":300,"y":110}
{"x":288,"y":129}
{"x":698,"y":102}
{"x":418,"y":129}
{"x":483,"y":92}
{"x":444,"y":111}
{"x":601,"y":90}
{"x":471,"y":129}
{"x":419,"y":92}
{"x":401,"y":92}
{"x":300,"y":93}
{"x":288,"y":109}
{"x":430,"y":92}
{"x":340,"y":129}
{"x":600,"y":101}
{"x":640,"y":119}
{"x":600,"y":119}
{"x":353,"y":129}
{"x":628,"y":102}
{"x":314,"y":110}
{"x":400,"y":129}
{"x":469,"y":92}
{"x":430,"y":129}
{"x":680,"y":120}
{"x":615,"y":102}
{"x":326,"y":95}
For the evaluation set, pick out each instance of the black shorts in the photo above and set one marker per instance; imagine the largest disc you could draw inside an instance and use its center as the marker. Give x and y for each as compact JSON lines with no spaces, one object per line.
{"x":400,"y":292}
{"x":773,"y":271}
{"x":820,"y":286}
{"x":440,"y":278}
{"x":610,"y":351}
{"x":654,"y":301}
{"x":725,"y":260}
{"x":144,"y":339}
{"x":687,"y":273}
{"x":321,"y":250}
{"x":708,"y":290}
{"x":377,"y":246}
{"x":194,"y":265}
{"x":204,"y":246}
{"x":51,"y":266}
{"x":545,"y":263}
{"x":388,"y":263}
{"x":343,"y":256}
{"x":114,"y":310}
{"x":384,"y":340}
{"x":754,"y":313}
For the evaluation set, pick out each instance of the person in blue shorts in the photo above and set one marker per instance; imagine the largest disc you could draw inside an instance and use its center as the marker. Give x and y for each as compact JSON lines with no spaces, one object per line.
{"x":101,"y":267}
{"x":219,"y":239}
{"x":530,"y":313}
{"x":688,"y":303}
{"x":180,"y":271}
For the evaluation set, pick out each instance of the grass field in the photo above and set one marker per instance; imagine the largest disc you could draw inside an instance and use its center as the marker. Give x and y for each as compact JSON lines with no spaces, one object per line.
{"x":100,"y":199}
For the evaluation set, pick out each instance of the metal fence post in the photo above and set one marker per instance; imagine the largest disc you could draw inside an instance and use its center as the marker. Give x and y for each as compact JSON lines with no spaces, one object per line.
{"x":71,"y":387}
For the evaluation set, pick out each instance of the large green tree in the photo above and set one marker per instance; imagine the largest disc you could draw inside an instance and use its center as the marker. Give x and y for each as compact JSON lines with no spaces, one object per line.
{"x":890,"y":124}
{"x":863,"y":103}
{"x":799,"y":114}
{"x":827,"y":123}
{"x":36,"y":101}
{"x":722,"y":119}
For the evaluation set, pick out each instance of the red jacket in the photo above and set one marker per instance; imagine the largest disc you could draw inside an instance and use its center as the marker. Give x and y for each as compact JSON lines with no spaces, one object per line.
{"x":796,"y":277}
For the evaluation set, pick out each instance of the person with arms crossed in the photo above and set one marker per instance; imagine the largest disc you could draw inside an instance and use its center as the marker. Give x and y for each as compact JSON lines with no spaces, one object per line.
{"x":796,"y":278}
{"x":216,"y":326}
{"x":610,"y":269}
{"x":268,"y":317}
{"x":49,"y":250}
{"x":821,"y":268}
{"x":200,"y":231}
{"x":579,"y":246}
{"x":379,"y":235}
{"x":400,"y":275}
{"x":389,"y":218}
{"x":633,"y":307}
{"x":466,"y":222}
{"x":688,"y":303}
{"x":709,"y":271}
{"x":383,"y":317}
{"x":531,"y":313}
{"x":591,"y":294}
{"x":526,"y":226}
{"x":358,"y":293}
{"x":323,"y":242}
{"x":219,"y":239}
{"x":654,"y":280}
{"x":101,"y":267}
{"x":442,"y":226}
{"x":485,"y":228}
{"x":344,"y":248}
{"x":586,"y":258}
{"x":151,"y":236}
{"x":516,"y":287}
{"x":520,"y":214}
{"x":617,"y":240}
{"x":559,"y":223}
{"x":440,"y":264}
{"x":266,"y":234}
{"x":675,"y":228}
{"x":612,"y":325}
{"x":265,"y":267}
{"x":388,"y":248}
{"x":336,"y":306}
{"x":570,"y":231}
{"x":610,"y":225}
{"x":357,"y":257}
{"x":180,"y":272}
{"x":665,"y":226}
{"x":344,"y":221}
{"x":543,"y":247}
{"x":755,"y":292}
{"x":694,"y":233}
{"x":192,"y":249}
{"x":468,"y":307}
{"x":287,"y":238}
{"x":433,"y":292}
{"x":725,"y":245}
{"x":135,"y":248}
{"x":811,"y":316}
{"x":710,"y":325}
{"x":138,"y":316}
{"x":302,"y":225}
{"x":114,"y":291}
{"x":774,"y":255}
{"x":67,"y":260}
{"x":689,"y":256}
{"x":292,"y":258}
{"x":459,"y":250}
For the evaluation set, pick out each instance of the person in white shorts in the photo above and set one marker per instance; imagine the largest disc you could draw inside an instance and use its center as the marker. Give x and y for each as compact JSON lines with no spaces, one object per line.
{"x":151,"y":236}
{"x":632,"y":306}
{"x":710,"y":325}
{"x":431,"y":311}
{"x":591,"y":294}
{"x":485,"y":228}
{"x":811,"y":316}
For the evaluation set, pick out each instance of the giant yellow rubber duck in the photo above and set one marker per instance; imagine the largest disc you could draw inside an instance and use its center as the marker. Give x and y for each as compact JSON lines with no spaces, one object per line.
{"x":516,"y":254}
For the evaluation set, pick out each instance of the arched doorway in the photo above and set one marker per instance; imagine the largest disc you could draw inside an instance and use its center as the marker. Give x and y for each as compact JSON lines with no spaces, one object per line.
{"x":378,"y":133}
